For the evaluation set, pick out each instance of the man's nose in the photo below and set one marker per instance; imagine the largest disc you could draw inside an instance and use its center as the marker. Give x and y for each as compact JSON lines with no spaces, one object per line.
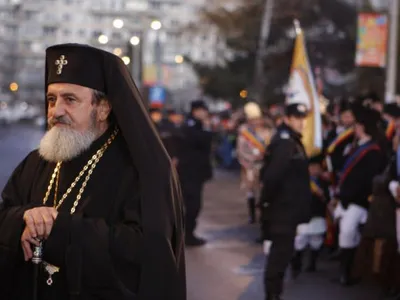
{"x":58,"y":108}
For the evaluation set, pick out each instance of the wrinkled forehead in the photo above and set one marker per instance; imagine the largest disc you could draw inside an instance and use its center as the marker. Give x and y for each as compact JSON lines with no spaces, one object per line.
{"x":68,"y":88}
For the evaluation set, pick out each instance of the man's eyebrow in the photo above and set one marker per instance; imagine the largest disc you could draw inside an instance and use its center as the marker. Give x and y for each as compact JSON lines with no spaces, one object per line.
{"x":69,"y":94}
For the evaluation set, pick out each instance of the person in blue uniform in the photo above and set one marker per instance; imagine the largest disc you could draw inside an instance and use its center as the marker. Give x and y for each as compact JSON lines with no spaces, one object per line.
{"x":194,"y":165}
{"x":285,"y":196}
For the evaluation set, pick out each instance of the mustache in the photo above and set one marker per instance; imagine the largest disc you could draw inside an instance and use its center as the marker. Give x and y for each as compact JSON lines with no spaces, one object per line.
{"x":59,"y":120}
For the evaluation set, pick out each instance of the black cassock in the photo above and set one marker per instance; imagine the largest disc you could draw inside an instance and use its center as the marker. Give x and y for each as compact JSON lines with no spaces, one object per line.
{"x":97,"y":248}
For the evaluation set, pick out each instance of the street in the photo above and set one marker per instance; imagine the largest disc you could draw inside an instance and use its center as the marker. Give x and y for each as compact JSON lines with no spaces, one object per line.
{"x":230,"y":266}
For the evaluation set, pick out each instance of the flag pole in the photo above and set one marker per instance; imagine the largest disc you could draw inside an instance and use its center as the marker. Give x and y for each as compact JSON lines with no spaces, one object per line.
{"x":297,"y":26}
{"x":391,"y":73}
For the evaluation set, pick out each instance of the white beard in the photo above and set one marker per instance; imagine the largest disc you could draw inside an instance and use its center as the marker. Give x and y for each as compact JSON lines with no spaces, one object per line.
{"x":64,"y":144}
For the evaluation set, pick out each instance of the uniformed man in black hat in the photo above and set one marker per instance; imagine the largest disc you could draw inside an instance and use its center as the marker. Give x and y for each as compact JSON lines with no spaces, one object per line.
{"x":194,"y":165}
{"x":285,"y":196}
{"x":169,"y":133}
{"x":99,"y":200}
{"x":365,"y":161}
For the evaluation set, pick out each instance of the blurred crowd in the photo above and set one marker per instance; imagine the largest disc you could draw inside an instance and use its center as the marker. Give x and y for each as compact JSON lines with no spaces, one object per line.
{"x":356,"y":200}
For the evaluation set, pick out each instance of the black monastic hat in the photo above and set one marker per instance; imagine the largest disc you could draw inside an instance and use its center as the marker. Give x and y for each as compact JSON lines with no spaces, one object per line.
{"x":369,"y":118}
{"x":196,"y":104}
{"x":162,"y":243}
{"x":296,"y":110}
{"x":392,"y":109}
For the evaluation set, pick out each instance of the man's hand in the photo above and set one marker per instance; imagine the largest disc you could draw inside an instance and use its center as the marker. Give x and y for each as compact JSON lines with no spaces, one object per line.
{"x":27,"y":241}
{"x":39,"y":221}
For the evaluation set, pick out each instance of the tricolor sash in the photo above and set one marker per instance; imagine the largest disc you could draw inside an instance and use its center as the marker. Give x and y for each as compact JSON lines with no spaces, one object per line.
{"x":355,"y":158}
{"x":316,"y":187}
{"x":339,"y":139}
{"x":251,"y":137}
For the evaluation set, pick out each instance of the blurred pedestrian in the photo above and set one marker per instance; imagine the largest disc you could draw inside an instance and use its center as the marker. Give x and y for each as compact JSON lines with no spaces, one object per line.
{"x":253,"y":138}
{"x":194,"y":165}
{"x":285,"y":196}
{"x":365,"y":161}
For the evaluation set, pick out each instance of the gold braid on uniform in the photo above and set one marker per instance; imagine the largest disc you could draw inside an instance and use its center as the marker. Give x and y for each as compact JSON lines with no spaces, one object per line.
{"x":87,"y":169}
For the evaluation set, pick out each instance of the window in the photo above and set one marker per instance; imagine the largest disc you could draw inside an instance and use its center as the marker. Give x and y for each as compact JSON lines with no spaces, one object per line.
{"x":66,"y":32}
{"x":66,"y":17}
{"x":96,"y":34}
{"x":48,"y":30}
{"x":116,"y":36}
{"x":82,"y":32}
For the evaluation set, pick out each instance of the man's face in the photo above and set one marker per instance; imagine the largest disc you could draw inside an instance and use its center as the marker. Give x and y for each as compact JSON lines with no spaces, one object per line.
{"x":347,"y":118}
{"x":75,"y":121}
{"x":71,"y":106}
{"x":359,"y":130}
{"x":156,"y":116}
{"x":256,"y":122}
{"x":378,"y":106}
{"x":201,"y":113}
{"x":296,"y":123}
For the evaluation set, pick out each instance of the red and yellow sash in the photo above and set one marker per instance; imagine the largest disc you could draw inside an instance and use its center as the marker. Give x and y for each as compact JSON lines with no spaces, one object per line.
{"x":253,"y":140}
{"x":343,"y":136}
{"x":355,"y":158}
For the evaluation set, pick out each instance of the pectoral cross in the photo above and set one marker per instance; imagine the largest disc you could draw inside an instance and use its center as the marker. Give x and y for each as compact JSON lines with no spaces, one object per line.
{"x":60,"y":63}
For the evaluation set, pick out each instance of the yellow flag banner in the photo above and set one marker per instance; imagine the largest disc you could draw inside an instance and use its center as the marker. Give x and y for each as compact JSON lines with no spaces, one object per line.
{"x":302,"y":90}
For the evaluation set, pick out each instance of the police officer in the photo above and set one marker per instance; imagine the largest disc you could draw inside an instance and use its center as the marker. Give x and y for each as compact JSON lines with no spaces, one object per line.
{"x":169,"y":133}
{"x":194,"y":165}
{"x":285,"y":197}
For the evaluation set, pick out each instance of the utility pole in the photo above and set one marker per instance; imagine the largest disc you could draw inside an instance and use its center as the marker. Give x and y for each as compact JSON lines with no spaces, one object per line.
{"x":391,"y":69}
{"x":259,"y":77}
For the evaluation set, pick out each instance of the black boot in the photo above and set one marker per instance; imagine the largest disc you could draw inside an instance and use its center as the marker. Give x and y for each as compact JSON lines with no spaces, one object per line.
{"x":297,"y":264}
{"x":346,"y":264}
{"x":312,"y":267}
{"x":251,"y":204}
{"x":273,"y":297}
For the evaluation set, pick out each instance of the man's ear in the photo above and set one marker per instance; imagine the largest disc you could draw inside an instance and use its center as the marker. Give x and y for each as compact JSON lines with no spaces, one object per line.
{"x":104,"y":110}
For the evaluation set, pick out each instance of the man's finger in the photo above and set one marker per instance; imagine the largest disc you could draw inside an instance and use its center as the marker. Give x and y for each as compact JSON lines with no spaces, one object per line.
{"x":48,"y":222}
{"x":39,"y":223}
{"x":54,"y":213}
{"x":26,"y":246}
{"x":30,"y":223}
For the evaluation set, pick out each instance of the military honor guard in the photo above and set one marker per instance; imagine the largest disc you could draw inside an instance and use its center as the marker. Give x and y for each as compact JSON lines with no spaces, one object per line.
{"x":253,"y":138}
{"x":311,"y":235}
{"x":365,"y":161}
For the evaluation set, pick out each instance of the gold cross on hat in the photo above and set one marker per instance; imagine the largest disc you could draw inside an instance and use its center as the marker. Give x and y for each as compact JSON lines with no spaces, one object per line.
{"x":60,"y":63}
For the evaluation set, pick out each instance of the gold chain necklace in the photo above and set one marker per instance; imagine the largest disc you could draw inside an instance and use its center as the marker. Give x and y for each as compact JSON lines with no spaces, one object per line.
{"x":89,"y":167}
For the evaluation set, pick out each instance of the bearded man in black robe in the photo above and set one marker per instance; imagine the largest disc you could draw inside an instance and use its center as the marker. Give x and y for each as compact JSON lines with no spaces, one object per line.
{"x":100,"y":195}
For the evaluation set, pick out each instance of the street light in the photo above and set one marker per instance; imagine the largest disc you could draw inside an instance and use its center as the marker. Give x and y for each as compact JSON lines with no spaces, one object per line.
{"x":14,"y":87}
{"x":243,"y":94}
{"x":126,"y":60}
{"x":118,"y":23}
{"x":179,"y":59}
{"x":117,"y":51}
{"x":156,"y":25}
{"x":103,"y":39}
{"x":135,"y":40}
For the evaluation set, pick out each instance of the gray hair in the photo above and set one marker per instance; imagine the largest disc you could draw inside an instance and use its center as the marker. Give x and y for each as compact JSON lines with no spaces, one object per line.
{"x":97,"y":96}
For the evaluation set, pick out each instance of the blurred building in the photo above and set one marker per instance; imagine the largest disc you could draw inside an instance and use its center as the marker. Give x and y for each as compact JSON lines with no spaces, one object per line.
{"x":29,"y":26}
